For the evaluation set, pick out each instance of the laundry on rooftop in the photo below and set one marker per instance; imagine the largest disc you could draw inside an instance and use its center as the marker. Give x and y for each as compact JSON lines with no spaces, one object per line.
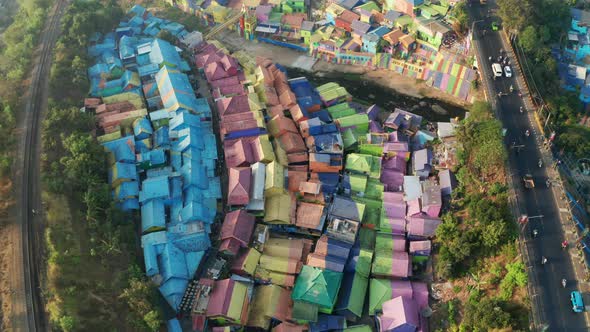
{"x":326,"y":208}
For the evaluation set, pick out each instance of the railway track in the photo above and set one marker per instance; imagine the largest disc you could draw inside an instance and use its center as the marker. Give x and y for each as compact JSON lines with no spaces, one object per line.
{"x":30,"y":222}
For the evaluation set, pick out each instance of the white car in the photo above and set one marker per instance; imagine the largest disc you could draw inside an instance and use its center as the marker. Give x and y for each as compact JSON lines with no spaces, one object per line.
{"x":508,"y":71}
{"x":497,"y":69}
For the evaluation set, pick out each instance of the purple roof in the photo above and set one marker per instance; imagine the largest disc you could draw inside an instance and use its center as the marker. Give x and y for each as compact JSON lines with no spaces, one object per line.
{"x":403,"y":120}
{"x":394,"y":204}
{"x":373,"y":112}
{"x":375,"y":127}
{"x":360,"y":27}
{"x":397,"y":136}
{"x":393,"y":180}
{"x":399,"y":314}
{"x":398,"y":225}
{"x":422,"y":226}
{"x":395,"y":147}
{"x":399,"y":243}
{"x":396,"y":163}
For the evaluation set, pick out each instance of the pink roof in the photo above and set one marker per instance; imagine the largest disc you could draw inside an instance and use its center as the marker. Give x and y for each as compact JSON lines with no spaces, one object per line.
{"x":231,"y":105}
{"x":230,"y":127}
{"x":229,"y":65}
{"x":416,"y":246}
{"x":293,"y":20}
{"x":263,"y":12}
{"x":399,"y":243}
{"x":220,"y":298}
{"x":422,"y":226}
{"x":400,"y":264}
{"x":239,"y":186}
{"x":395,"y":147}
{"x":401,"y":288}
{"x":420,"y":290}
{"x":271,"y":96}
{"x":203,"y":59}
{"x":287,"y":99}
{"x":279,"y":125}
{"x":400,"y":313}
{"x":214,"y":71}
{"x":398,"y":225}
{"x":394,"y":204}
{"x":239,"y":225}
{"x":414,"y":207}
{"x":237,"y":153}
{"x":235,"y":89}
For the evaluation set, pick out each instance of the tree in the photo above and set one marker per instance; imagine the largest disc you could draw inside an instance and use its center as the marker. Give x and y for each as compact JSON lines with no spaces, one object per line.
{"x":141,"y":297}
{"x":528,"y":39}
{"x":487,"y":314}
{"x":167,"y":36}
{"x":575,"y":138}
{"x":514,"y":13}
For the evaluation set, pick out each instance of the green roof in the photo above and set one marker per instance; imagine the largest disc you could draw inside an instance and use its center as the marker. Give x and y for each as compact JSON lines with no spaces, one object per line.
{"x":358,"y":294}
{"x":364,"y":262}
{"x":358,"y":182}
{"x":304,"y":312}
{"x":374,"y":189}
{"x":364,"y":164}
{"x":317,"y":286}
{"x":370,"y":5}
{"x":360,"y":121}
{"x":379,"y":292}
{"x":367,"y":239}
{"x":404,"y":20}
{"x":348,"y":138}
{"x":372,"y":149}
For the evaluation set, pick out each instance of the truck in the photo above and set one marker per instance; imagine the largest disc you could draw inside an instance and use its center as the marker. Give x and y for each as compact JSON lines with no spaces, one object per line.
{"x":529,"y":183}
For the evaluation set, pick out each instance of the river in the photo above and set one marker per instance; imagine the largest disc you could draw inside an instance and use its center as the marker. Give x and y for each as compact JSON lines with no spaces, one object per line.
{"x":386,"y":98}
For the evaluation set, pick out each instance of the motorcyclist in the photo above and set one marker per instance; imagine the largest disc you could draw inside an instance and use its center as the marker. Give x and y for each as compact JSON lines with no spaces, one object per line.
{"x":34,"y":212}
{"x":535,"y":232}
{"x":548,"y":183}
{"x":520,"y":94}
{"x":540,"y":163}
{"x":521,"y":109}
{"x":490,"y":58}
{"x":527,"y":133}
{"x":511,"y":88}
{"x":564,"y":244}
{"x":563,"y":282}
{"x":543,"y":260}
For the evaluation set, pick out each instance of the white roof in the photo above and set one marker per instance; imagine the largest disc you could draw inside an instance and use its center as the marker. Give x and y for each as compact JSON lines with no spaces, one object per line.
{"x":266,"y":29}
{"x":446,"y":129}
{"x":412,"y":188}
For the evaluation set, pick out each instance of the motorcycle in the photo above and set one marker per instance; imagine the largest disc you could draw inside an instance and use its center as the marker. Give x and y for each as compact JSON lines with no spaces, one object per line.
{"x":511,"y":89}
{"x":563,"y":282}
{"x":564,"y":245}
{"x":521,"y":109}
{"x":543,"y":261}
{"x":535,"y":233}
{"x":540,"y":163}
{"x":527,"y":133}
{"x":548,"y":183}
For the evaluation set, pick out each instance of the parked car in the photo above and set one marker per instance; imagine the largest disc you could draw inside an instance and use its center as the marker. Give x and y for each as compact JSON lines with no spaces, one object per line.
{"x":507,"y":71}
{"x":577,"y":302}
{"x":495,"y":26}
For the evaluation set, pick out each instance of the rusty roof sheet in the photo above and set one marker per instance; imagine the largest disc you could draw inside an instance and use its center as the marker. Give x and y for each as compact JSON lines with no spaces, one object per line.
{"x":310,"y":215}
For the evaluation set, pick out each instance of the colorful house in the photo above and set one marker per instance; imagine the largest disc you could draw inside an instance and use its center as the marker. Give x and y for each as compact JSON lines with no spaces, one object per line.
{"x":317,"y":288}
{"x":399,"y":315}
{"x":432,"y":32}
{"x":236,"y":231}
{"x":239,"y":186}
{"x":228,"y":303}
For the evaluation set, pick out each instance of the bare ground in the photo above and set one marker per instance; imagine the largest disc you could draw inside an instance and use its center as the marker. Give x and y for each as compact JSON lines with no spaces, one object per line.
{"x":6,"y":247}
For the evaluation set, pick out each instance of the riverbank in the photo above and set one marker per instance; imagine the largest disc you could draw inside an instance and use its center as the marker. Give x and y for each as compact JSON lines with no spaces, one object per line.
{"x":293,"y":59}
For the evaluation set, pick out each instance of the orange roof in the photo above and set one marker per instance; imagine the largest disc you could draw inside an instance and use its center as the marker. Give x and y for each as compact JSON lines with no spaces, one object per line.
{"x":377,"y":16}
{"x":295,"y":178}
{"x":407,"y":40}
{"x":293,"y":20}
{"x":291,"y":142}
{"x":279,"y":125}
{"x":276,"y":110}
{"x":281,"y":87}
{"x":298,"y":168}
{"x":297,"y":157}
{"x":310,"y":187}
{"x":393,"y":36}
{"x":297,"y":113}
{"x":309,"y":215}
{"x":287,"y":98}
{"x":271,"y":96}
{"x":349,"y":16}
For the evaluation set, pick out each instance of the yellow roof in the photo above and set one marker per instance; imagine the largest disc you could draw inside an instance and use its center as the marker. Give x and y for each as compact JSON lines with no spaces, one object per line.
{"x":277,"y":209}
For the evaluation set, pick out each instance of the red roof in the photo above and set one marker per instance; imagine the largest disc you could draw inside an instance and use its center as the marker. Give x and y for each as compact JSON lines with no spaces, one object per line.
{"x":232,"y":80}
{"x":297,"y":113}
{"x":295,"y":178}
{"x":309,"y":215}
{"x":276,"y":110}
{"x":214,"y":71}
{"x":349,"y":16}
{"x":297,"y":157}
{"x":293,"y":20}
{"x":287,"y":99}
{"x":229,"y":64}
{"x":271,"y":96}
{"x":237,"y":153}
{"x":235,"y":104}
{"x":238,"y":225}
{"x":239,"y":186}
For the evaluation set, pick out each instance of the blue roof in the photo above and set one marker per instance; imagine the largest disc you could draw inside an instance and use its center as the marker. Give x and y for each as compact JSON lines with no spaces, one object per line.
{"x":173,"y":291}
{"x":194,"y":174}
{"x":148,"y":69}
{"x":172,"y":263}
{"x":155,"y":172}
{"x":173,"y":325}
{"x":154,"y":188}
{"x":127,"y":47}
{"x":124,"y":171}
{"x":129,"y":204}
{"x":153,"y":157}
{"x":127,"y":189}
{"x":176,"y":90}
{"x":161,"y":138}
{"x":163,"y":52}
{"x":136,"y":21}
{"x":184,"y":120}
{"x":142,"y":128}
{"x":153,"y":215}
{"x":381,"y":31}
{"x":136,"y":10}
{"x":98,"y":70}
{"x":189,"y":237}
{"x":122,"y":148}
{"x":152,"y":245}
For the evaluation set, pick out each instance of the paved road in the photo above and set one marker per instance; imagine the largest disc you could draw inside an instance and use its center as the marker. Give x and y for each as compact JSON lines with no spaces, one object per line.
{"x":554,"y":308}
{"x":28,"y":304}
